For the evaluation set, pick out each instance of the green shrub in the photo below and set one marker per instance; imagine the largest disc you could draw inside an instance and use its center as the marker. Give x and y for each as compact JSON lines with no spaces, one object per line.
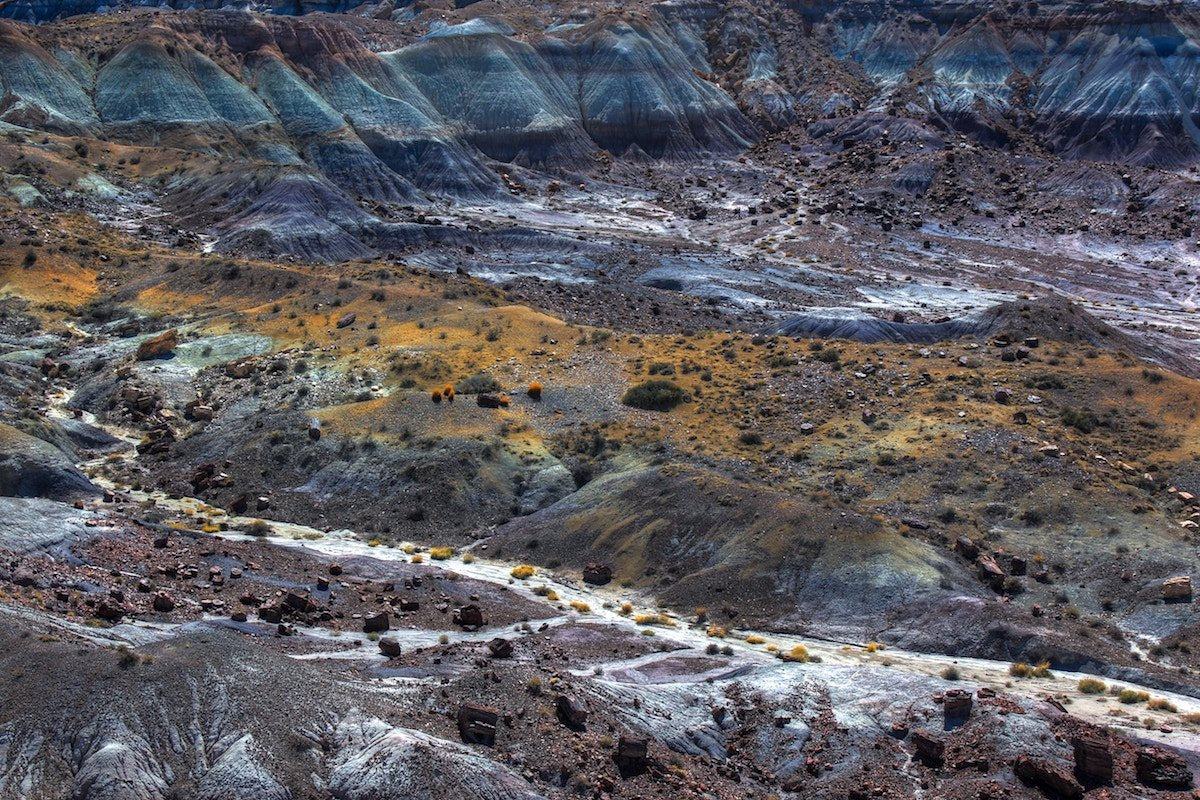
{"x":1131,"y":696}
{"x":661,"y":368}
{"x":656,"y":395}
{"x":1082,"y":419}
{"x":477,"y":384}
{"x":828,"y":355}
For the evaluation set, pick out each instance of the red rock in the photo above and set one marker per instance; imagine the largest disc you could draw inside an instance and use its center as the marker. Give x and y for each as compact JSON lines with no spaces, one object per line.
{"x":158,"y":346}
{"x":1050,"y":778}
{"x":1161,"y":769}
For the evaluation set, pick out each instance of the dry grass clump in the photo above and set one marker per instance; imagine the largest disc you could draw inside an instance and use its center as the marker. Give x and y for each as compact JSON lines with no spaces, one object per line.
{"x":534,"y":391}
{"x":797,"y":655}
{"x":523,"y":571}
{"x":581,"y":607}
{"x":441,"y":553}
{"x":1092,"y":686}
{"x":654,"y":619}
{"x":1132,"y":696}
{"x":1159,"y":704}
{"x":1023,"y":670}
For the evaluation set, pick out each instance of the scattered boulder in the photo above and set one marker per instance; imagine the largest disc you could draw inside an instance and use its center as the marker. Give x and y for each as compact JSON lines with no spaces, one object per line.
{"x":956,"y":708}
{"x":1161,"y":769}
{"x":159,"y":346}
{"x":928,"y":749}
{"x":469,"y":616}
{"x":1093,"y":760}
{"x":571,"y":712}
{"x":477,"y":724}
{"x":500,"y":648}
{"x":597,"y":574}
{"x":390,"y":647}
{"x":346,"y":320}
{"x":1177,"y":589}
{"x":376,"y":623}
{"x":1052,"y":779}
{"x":632,"y":755}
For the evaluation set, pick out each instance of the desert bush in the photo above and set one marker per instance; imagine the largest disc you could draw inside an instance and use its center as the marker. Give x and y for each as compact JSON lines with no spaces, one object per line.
{"x":523,"y":571}
{"x":661,"y":368}
{"x":436,"y":395}
{"x":441,"y":553}
{"x":1081,"y":419}
{"x":828,"y":355}
{"x":951,"y":673}
{"x":1159,"y":704}
{"x":752,"y":639}
{"x":1131,"y":696}
{"x":750,"y":438}
{"x":477,"y":384}
{"x":534,"y":391}
{"x":655,"y":395}
{"x":1092,"y":686}
{"x":1023,"y":670}
{"x":798,"y":654}
{"x":581,"y":607}
{"x":653,"y":619}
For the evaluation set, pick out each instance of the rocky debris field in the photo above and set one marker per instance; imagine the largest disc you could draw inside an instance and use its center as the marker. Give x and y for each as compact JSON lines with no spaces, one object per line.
{"x":685,"y":400}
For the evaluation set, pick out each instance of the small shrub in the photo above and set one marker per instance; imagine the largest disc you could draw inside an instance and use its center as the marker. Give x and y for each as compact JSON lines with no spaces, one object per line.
{"x":1023,"y":670}
{"x":441,"y":553}
{"x":752,"y":639}
{"x":534,"y":391}
{"x":1092,"y":686}
{"x":951,"y":673}
{"x":797,"y":655}
{"x":1159,"y":704}
{"x":1082,"y":419}
{"x":534,"y":685}
{"x":468,"y":558}
{"x":828,"y":356}
{"x":750,"y":438}
{"x":661,"y":368}
{"x":655,"y":395}
{"x":477,"y":384}
{"x":436,"y":395}
{"x":626,"y":608}
{"x":1132,"y":696}
{"x":523,"y":571}
{"x":716,"y":632}
{"x":581,"y":607}
{"x":653,"y":619}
